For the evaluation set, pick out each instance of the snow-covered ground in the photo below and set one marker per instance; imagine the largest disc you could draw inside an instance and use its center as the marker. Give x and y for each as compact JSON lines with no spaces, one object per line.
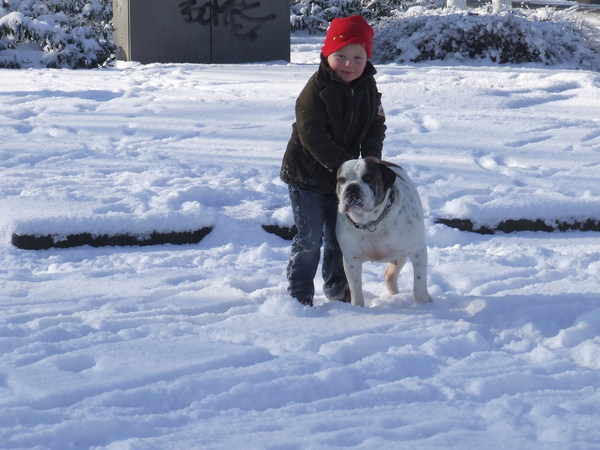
{"x":198,"y":346}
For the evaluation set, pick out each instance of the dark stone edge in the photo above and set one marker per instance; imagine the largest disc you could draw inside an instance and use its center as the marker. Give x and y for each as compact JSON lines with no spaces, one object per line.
{"x":506,"y":226}
{"x":516,"y":225}
{"x":44,"y":242}
{"x":283,"y":232}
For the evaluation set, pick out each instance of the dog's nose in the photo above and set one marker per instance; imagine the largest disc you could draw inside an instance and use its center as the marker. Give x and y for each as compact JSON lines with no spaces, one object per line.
{"x":353,"y":195}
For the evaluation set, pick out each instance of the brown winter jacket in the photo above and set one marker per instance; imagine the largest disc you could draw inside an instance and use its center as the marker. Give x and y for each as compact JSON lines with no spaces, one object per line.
{"x":335,"y":122}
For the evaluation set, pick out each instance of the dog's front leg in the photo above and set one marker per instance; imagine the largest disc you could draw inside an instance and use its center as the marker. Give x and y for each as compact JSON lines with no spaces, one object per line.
{"x":353,"y":269}
{"x":419,"y":263}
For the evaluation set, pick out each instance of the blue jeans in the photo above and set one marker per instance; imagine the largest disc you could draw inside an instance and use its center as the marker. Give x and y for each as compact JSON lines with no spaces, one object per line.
{"x":315,"y":216}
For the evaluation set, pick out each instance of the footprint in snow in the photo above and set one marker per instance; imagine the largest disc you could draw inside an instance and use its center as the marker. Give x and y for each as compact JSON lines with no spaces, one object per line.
{"x":75,"y":363}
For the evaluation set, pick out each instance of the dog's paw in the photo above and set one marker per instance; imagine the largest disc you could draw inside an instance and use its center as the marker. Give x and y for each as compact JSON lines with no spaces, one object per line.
{"x":420,"y":299}
{"x":358,"y":302}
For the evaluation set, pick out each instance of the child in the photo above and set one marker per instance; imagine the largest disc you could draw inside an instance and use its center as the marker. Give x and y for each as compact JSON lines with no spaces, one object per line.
{"x":338,"y":117}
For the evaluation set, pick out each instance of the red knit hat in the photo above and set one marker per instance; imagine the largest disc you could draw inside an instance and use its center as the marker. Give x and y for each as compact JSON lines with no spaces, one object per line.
{"x":348,"y":30}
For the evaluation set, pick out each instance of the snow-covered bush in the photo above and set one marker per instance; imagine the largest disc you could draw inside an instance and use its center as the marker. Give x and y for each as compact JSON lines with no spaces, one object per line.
{"x":515,"y":36}
{"x":315,"y":15}
{"x":55,"y":33}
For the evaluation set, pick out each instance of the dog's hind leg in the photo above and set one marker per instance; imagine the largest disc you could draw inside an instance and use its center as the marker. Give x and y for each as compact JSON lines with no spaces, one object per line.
{"x":392,"y":270}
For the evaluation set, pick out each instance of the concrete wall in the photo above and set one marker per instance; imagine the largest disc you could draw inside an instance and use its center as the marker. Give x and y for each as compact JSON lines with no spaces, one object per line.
{"x":202,"y":31}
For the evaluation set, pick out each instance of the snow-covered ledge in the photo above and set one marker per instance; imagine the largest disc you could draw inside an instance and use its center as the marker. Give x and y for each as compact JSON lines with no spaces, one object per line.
{"x":462,"y":4}
{"x":501,"y":4}
{"x":457,"y":4}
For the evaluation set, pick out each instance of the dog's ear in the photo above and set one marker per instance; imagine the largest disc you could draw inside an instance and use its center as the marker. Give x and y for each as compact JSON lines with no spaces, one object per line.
{"x":388,"y":176}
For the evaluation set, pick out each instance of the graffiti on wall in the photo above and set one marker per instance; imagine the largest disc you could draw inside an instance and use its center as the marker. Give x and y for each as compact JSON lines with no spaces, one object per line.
{"x":234,"y":14}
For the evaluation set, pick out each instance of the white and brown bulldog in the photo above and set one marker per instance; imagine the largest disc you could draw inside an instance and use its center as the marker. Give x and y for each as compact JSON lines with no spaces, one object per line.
{"x":380,"y":218}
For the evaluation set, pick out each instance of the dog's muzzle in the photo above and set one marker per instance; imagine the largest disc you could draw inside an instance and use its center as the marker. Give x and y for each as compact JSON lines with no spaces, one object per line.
{"x":353,"y":197}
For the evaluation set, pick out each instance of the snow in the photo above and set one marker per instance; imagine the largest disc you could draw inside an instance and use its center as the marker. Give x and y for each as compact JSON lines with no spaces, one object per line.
{"x":199,"y":346}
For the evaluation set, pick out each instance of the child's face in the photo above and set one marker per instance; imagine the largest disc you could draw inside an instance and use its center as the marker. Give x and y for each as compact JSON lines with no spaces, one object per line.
{"x":348,"y":62}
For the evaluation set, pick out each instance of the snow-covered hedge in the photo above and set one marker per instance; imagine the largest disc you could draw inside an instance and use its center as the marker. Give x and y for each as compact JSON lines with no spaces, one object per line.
{"x":55,"y":33}
{"x":514,"y":36}
{"x":315,"y":15}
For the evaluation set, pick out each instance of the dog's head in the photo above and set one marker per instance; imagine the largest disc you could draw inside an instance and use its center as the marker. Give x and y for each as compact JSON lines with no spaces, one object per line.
{"x":362,"y":184}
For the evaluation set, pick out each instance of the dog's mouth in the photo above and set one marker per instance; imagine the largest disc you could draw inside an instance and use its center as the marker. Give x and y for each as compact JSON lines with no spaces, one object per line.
{"x":353,"y":203}
{"x":353,"y":200}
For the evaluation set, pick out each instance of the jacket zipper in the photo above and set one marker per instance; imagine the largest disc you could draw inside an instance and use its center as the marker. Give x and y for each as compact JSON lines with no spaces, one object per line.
{"x":351,"y":119}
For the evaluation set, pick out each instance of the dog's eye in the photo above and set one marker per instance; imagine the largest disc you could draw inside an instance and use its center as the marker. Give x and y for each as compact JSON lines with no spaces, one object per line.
{"x":367,"y":178}
{"x":341,"y":180}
